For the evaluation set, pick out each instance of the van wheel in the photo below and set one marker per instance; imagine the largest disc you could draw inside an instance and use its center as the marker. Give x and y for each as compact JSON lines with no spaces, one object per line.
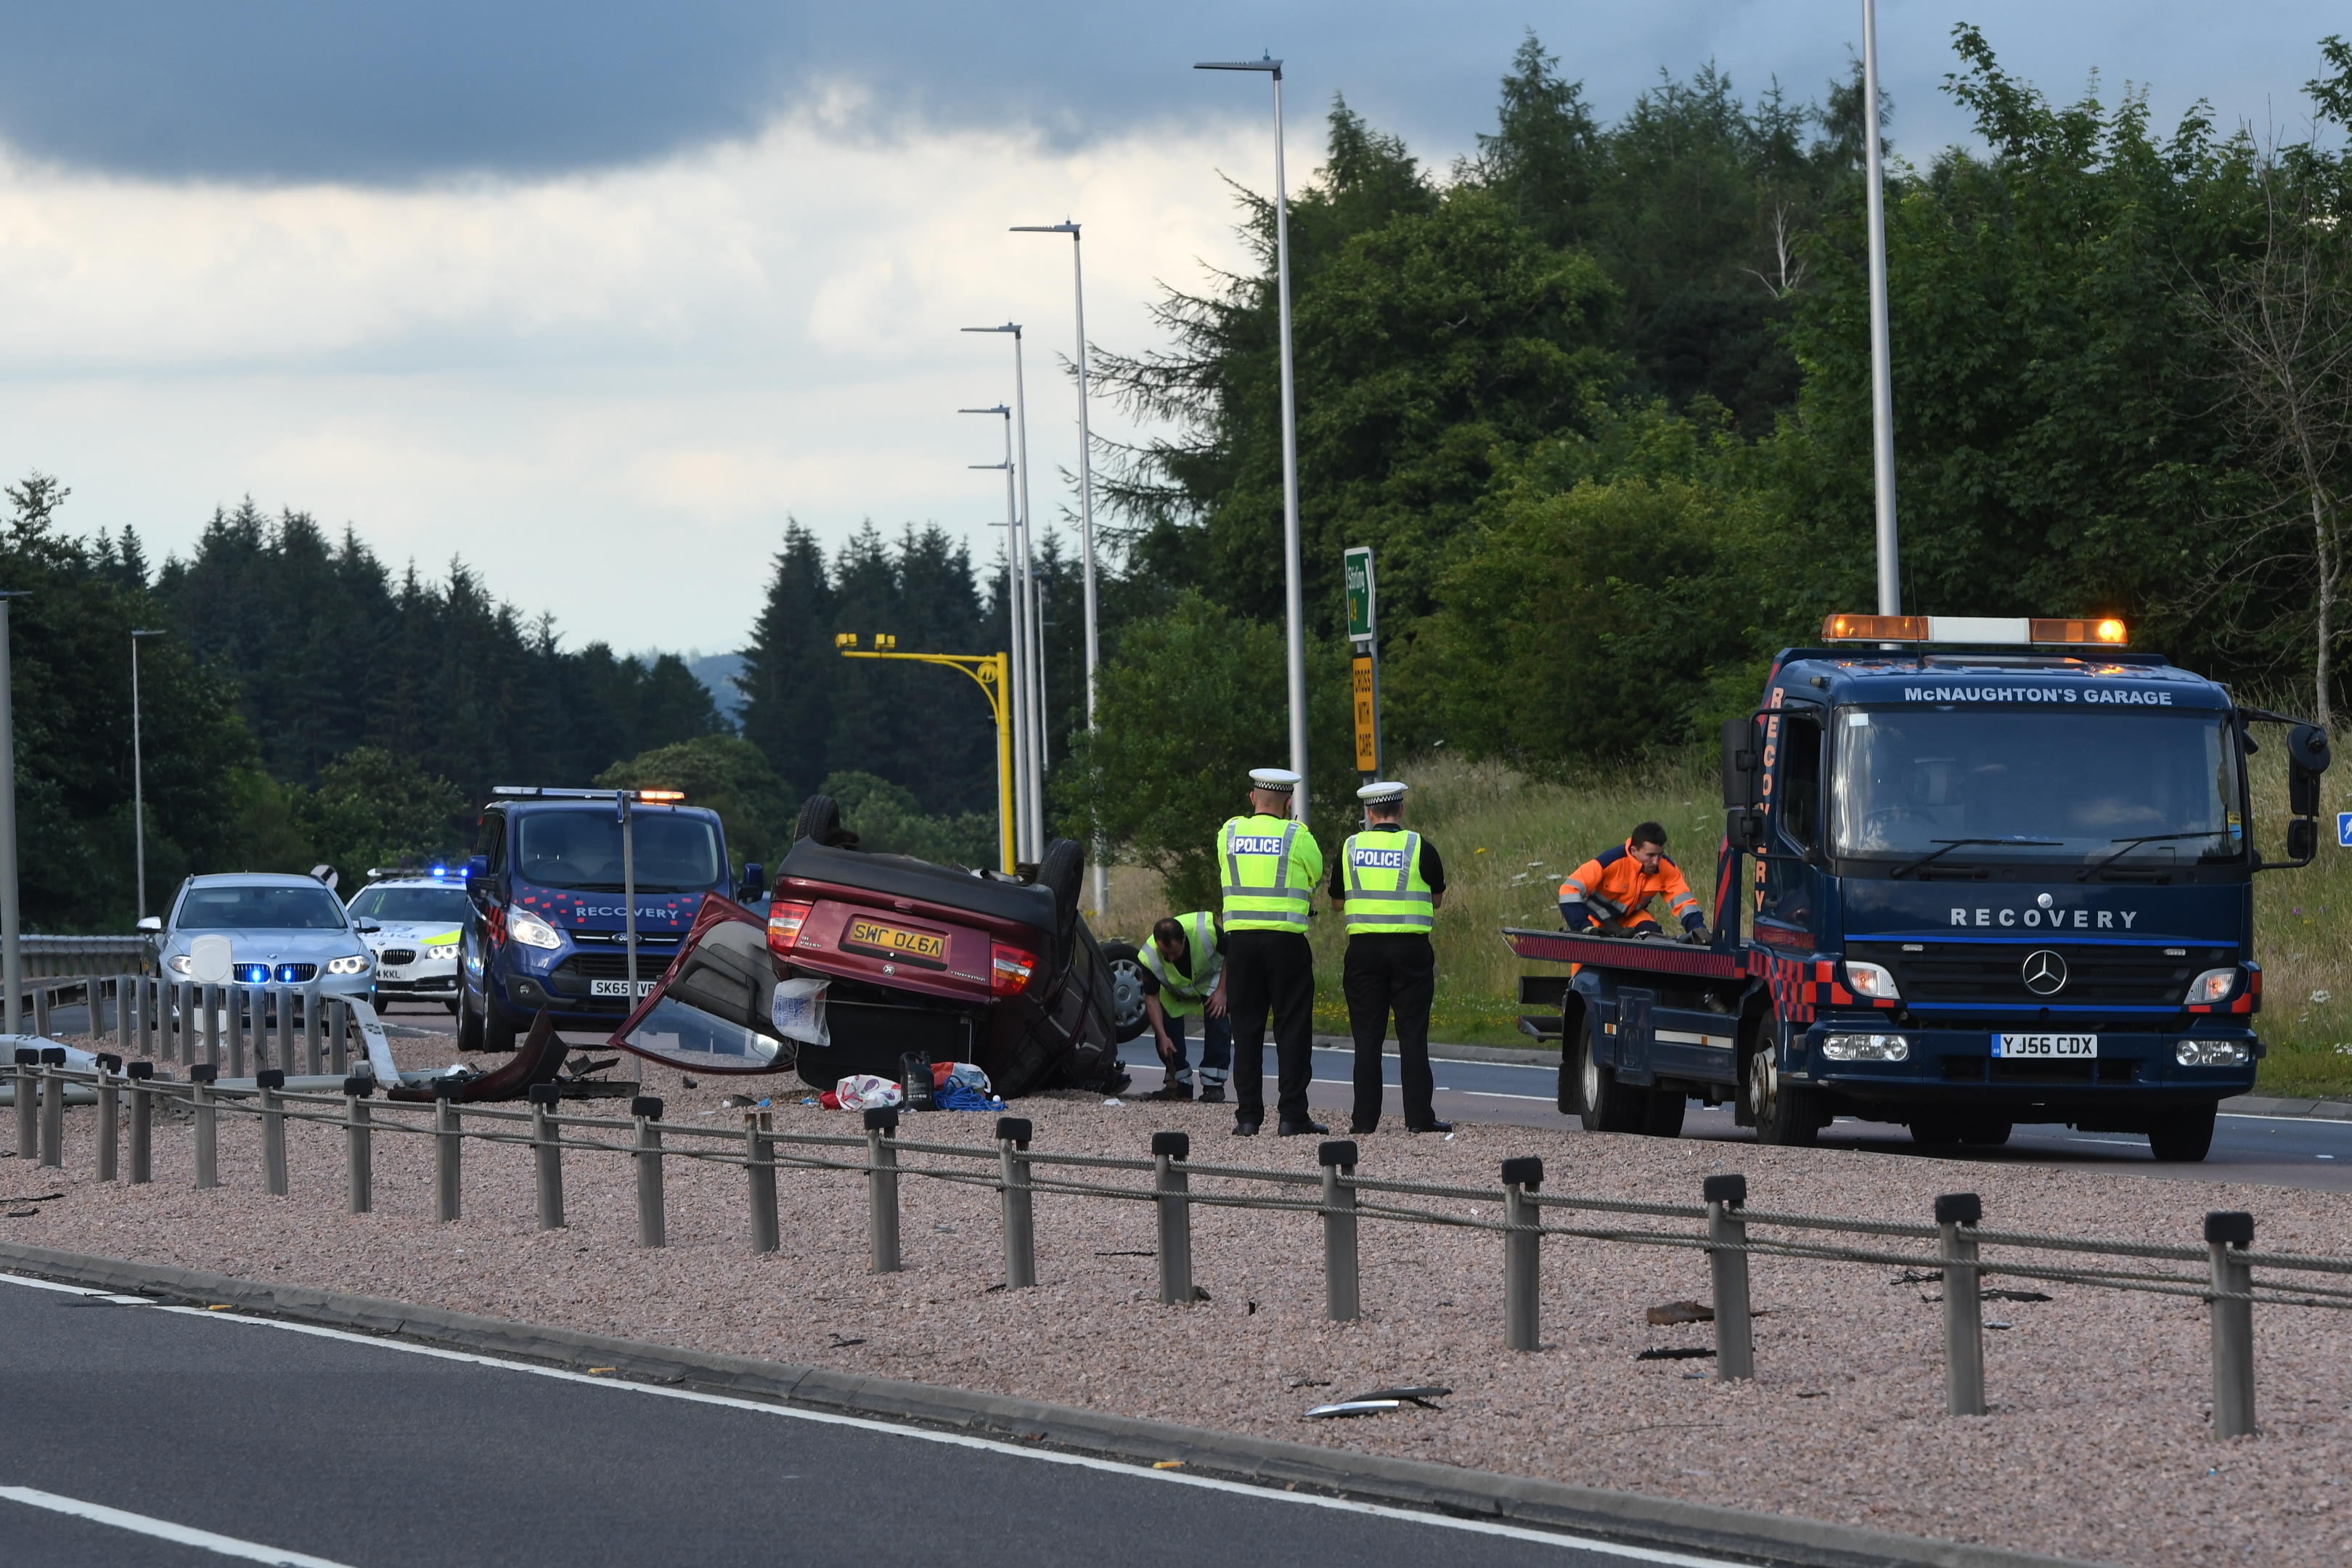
{"x":2184,"y":1136}
{"x":470,"y":1023}
{"x":1605,"y":1107}
{"x":1785,"y":1114}
{"x":497,"y":1035}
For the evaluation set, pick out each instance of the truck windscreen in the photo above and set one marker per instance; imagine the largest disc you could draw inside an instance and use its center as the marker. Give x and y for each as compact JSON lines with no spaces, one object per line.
{"x":1907,"y":782}
{"x":581,"y":850}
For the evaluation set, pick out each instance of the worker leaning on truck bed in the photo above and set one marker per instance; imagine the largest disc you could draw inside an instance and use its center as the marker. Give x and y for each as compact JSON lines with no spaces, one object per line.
{"x":1609,"y":894}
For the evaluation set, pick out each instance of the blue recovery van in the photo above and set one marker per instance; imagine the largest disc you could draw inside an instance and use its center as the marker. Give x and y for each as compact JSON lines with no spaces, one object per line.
{"x":548,"y":925}
{"x":1993,"y":872}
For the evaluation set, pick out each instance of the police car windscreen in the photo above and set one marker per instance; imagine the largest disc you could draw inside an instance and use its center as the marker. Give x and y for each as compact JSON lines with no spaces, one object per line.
{"x":258,"y":909}
{"x":1908,"y":781}
{"x":420,"y":906}
{"x":582,"y":849}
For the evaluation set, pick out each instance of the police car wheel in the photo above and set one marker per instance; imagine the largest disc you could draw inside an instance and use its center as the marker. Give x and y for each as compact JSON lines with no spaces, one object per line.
{"x":1128,"y":1017}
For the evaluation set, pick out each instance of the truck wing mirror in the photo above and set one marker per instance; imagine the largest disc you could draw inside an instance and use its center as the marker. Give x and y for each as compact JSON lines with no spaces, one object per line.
{"x":2303,"y":838}
{"x":1744,"y":825}
{"x":1743,"y":754}
{"x":478,"y":873}
{"x":2307,"y":756}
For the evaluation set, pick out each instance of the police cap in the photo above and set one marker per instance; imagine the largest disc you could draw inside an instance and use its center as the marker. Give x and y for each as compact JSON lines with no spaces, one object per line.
{"x":1276,"y":781}
{"x":1380,"y":793}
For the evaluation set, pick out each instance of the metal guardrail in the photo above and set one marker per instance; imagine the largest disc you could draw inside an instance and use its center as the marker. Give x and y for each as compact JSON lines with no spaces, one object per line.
{"x":48,"y":956}
{"x":1721,"y":1225}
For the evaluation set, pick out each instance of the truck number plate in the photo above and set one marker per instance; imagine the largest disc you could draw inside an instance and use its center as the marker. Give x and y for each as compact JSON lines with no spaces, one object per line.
{"x":2045,"y":1047}
{"x":896,"y":942}
{"x":619,"y":988}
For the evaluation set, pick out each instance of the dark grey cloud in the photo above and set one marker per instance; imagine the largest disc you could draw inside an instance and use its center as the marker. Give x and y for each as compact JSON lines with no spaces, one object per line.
{"x":275,"y":89}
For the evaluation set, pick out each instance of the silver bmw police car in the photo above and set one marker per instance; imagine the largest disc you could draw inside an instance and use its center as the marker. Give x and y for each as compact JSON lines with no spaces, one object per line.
{"x":419,"y":921}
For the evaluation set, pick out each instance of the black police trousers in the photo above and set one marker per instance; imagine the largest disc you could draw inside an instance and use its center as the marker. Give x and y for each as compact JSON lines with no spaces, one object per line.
{"x":1383,"y":975}
{"x":1270,"y":973}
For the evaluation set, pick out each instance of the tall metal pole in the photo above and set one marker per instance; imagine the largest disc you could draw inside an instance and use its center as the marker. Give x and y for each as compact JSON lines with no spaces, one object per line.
{"x":629,"y":893}
{"x":12,"y":957}
{"x":1036,"y":611}
{"x":1882,"y":376}
{"x":138,"y":775}
{"x":1294,"y":587}
{"x":1017,"y":698}
{"x":1085,"y":518}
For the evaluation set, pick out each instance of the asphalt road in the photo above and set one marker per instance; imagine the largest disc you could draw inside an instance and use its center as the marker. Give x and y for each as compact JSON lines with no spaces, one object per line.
{"x":293,"y":1445}
{"x":2274,"y":1150}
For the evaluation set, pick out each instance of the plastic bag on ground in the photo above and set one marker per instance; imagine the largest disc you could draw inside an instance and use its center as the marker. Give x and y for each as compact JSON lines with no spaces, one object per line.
{"x":798,"y":1011}
{"x":864,"y":1092}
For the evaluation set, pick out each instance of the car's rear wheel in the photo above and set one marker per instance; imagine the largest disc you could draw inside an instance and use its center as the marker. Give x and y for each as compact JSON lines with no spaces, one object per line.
{"x":820,"y":820}
{"x":1064,"y":870}
{"x":1128,"y":1016}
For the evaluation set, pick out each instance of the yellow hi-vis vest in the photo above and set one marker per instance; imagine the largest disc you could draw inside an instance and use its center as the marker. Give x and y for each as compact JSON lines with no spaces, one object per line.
{"x":1271,"y":865}
{"x":1386,"y":896}
{"x":1183,"y":999}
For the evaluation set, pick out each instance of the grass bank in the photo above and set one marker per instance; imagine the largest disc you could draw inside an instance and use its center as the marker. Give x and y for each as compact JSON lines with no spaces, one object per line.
{"x":1508,"y":840}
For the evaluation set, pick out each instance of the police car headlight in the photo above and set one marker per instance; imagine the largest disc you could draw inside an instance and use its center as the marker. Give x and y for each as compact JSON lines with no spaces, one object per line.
{"x":1865,"y":1048}
{"x":2213,"y":985}
{"x":531,"y":931}
{"x":357,"y":964}
{"x":1875,"y":981}
{"x":2212,"y":1053}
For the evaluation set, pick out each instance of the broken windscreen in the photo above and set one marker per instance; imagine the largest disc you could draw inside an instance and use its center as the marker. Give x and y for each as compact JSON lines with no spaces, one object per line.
{"x":1909,"y":780}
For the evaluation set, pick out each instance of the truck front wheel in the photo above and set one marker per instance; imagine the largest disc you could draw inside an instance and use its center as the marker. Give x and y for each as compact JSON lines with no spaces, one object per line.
{"x":2182,"y":1135}
{"x":1608,"y":1106}
{"x":1784,"y":1113}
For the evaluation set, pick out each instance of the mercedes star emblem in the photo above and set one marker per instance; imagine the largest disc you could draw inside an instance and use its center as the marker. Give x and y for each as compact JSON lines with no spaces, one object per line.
{"x":2045,"y":973}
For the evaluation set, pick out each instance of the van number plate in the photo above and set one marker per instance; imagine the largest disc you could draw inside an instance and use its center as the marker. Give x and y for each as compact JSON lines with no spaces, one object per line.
{"x":619,"y":988}
{"x":2046,"y":1048}
{"x":896,"y":942}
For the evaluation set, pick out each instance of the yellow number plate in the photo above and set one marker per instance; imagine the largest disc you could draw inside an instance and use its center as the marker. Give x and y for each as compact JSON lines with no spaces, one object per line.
{"x":922,"y":946}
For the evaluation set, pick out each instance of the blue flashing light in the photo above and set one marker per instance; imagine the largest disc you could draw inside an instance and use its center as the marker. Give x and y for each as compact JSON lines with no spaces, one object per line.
{"x":253,"y":973}
{"x":440,"y":870}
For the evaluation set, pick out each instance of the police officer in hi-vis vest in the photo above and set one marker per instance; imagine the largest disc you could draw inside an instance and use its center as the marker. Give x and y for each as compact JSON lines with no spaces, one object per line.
{"x":1270,"y":865}
{"x":1389,"y":882}
{"x":1184,"y":974}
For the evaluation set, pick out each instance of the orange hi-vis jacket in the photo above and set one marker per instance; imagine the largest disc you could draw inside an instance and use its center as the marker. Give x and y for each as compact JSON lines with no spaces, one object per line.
{"x":1613,"y":885}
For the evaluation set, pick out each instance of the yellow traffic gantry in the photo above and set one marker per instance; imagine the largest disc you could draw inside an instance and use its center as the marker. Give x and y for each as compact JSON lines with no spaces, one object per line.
{"x":989,"y":670}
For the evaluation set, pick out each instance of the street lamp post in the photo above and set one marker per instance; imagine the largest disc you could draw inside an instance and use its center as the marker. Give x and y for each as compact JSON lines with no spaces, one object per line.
{"x":1882,"y":376}
{"x":1016,"y":701}
{"x":1086,"y":512}
{"x":12,"y":956}
{"x":1028,"y":591}
{"x":1294,"y":591}
{"x":138,"y":772}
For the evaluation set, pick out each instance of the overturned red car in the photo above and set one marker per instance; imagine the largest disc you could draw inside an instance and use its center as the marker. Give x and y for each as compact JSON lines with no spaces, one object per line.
{"x":866,"y":959}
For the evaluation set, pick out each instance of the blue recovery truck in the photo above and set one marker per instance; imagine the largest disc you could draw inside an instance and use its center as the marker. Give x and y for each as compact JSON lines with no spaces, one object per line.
{"x":1994,"y":871}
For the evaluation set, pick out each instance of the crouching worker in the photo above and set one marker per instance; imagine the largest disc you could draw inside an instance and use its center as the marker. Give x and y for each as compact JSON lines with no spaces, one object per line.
{"x":1610,"y":894}
{"x":1184,"y":974}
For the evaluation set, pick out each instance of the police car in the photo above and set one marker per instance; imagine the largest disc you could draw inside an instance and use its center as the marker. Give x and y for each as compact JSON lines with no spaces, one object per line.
{"x":420,"y":920}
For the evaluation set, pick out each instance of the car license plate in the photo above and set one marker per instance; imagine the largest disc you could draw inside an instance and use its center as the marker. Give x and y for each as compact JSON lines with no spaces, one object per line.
{"x":2044,"y":1047}
{"x":619,"y":988}
{"x":896,"y":942}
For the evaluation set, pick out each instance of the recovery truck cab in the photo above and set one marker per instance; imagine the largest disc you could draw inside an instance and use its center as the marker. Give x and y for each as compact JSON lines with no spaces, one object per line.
{"x":1994,"y":872}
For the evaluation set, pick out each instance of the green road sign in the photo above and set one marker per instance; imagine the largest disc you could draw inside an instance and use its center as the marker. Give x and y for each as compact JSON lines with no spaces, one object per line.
{"x":1358,"y":572}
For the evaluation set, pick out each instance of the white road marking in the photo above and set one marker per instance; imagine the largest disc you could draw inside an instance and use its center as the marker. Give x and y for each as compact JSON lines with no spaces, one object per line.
{"x":826,"y":1418}
{"x":164,"y":1529}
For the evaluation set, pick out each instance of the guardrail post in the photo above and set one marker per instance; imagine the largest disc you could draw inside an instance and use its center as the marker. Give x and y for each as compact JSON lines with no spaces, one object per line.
{"x":212,"y":1011}
{"x":653,"y":1221}
{"x":1727,"y":1264}
{"x":1958,"y":1215}
{"x":146,"y":987}
{"x":339,"y":1032}
{"x":1522,"y":1256}
{"x":759,"y":1166}
{"x":142,"y":1124}
{"x":232,"y":1014}
{"x":180,"y":1043}
{"x":1013,"y":1134}
{"x":201,"y":1078}
{"x":448,"y":1142}
{"x":547,"y":1153}
{"x":312,"y":1062}
{"x":267,"y":1082}
{"x":359,"y":1146}
{"x":1169,"y":1150}
{"x":53,"y":1106}
{"x":28,"y":1109}
{"x":110,"y":1068}
{"x":1340,"y":1302}
{"x":41,"y":1008}
{"x":2226,"y":1236}
{"x":284,"y":996}
{"x":126,"y":1011}
{"x":882,"y":1186}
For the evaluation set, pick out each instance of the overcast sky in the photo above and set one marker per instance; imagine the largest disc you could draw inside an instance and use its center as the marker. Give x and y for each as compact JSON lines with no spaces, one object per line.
{"x":595,"y":295}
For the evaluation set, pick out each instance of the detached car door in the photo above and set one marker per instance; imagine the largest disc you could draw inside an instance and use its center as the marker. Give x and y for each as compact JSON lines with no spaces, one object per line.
{"x":714,"y":1009}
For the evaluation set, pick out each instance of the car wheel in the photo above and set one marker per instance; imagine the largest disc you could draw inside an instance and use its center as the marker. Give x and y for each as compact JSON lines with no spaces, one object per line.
{"x":469,"y":1025}
{"x":1128,"y":1016}
{"x":1607,"y":1106}
{"x":1784,"y":1113}
{"x":2184,"y":1135}
{"x":820,"y":820}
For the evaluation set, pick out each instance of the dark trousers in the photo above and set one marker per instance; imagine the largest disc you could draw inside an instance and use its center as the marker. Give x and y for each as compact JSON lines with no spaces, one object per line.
{"x":1384,"y":974}
{"x":1270,"y":973}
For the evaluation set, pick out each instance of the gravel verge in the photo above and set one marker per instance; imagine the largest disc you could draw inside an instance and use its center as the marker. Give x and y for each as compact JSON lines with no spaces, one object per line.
{"x":2096,"y":1447}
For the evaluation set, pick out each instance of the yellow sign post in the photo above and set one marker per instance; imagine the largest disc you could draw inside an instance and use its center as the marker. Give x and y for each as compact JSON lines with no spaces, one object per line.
{"x":1367,"y":718}
{"x":989,"y":670}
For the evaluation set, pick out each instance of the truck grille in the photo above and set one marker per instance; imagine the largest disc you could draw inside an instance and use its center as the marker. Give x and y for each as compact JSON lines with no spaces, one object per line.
{"x":1994,"y":972}
{"x":584,"y":966}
